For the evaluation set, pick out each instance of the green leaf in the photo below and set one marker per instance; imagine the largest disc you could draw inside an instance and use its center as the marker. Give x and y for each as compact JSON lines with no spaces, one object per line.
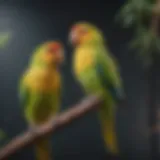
{"x":3,"y":138}
{"x":2,"y":134}
{"x":146,"y":43}
{"x":4,"y":38}
{"x":126,"y":16}
{"x":134,"y":12}
{"x":138,"y":13}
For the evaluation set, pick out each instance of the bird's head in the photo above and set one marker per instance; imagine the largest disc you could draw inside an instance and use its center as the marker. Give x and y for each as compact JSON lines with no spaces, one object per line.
{"x":49,"y":53}
{"x":84,"y":32}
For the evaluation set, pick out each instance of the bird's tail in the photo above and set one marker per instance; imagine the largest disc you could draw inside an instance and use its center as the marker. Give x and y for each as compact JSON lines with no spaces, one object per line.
{"x":43,"y":149}
{"x":108,"y":128}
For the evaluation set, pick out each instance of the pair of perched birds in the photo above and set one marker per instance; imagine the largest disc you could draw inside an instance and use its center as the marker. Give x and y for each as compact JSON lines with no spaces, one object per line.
{"x":94,"y":67}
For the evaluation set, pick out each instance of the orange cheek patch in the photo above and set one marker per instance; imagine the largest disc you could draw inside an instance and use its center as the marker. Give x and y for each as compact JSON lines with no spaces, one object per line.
{"x":54,"y":47}
{"x":57,"y":46}
{"x":47,"y":57}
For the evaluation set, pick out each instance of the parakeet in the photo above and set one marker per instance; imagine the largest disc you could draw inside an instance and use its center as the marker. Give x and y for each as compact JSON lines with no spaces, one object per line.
{"x":40,"y":90}
{"x":96,"y":69}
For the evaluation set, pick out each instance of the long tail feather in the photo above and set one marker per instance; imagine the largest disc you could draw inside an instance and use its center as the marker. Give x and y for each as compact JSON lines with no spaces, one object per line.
{"x":108,"y":127}
{"x":110,"y":137}
{"x":43,"y":149}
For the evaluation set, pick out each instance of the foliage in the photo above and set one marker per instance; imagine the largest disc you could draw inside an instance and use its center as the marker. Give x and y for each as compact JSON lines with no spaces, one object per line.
{"x":4,"y":38}
{"x":2,"y":134}
{"x":3,"y":137}
{"x":145,"y":43}
{"x":134,"y":14}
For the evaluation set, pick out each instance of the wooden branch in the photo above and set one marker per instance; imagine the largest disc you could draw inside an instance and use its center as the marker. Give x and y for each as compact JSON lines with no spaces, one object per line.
{"x":59,"y":121}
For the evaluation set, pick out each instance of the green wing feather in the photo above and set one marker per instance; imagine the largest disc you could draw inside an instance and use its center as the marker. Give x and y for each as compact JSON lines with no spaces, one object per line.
{"x":107,"y":70}
{"x":23,"y":94}
{"x":27,"y":99}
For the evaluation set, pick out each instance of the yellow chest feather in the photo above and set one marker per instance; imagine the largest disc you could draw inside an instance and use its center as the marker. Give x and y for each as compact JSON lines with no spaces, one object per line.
{"x":43,"y":80}
{"x":83,"y":59}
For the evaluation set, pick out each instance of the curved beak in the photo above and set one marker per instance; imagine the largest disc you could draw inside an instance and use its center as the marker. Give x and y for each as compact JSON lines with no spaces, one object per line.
{"x":73,"y":39}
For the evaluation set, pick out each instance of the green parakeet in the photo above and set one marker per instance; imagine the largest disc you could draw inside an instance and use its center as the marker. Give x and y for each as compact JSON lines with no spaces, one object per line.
{"x":97,"y":71}
{"x":40,"y":89}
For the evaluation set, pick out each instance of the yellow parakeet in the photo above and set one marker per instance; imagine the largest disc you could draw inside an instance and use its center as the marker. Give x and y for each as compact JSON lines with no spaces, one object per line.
{"x":97,"y":71}
{"x":40,"y":89}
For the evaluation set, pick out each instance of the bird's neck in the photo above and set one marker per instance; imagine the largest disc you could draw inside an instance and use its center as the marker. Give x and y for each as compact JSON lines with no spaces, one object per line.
{"x":92,"y":42}
{"x":48,"y":67}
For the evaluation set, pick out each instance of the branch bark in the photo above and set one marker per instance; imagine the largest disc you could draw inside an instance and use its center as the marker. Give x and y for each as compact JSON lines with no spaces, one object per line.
{"x":59,"y":121}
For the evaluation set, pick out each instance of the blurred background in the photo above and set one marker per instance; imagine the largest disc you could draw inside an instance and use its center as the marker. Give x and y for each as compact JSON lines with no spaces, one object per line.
{"x":31,"y":22}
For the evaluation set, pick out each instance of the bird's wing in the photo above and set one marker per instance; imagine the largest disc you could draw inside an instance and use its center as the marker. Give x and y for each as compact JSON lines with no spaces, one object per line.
{"x":109,"y":75}
{"x":23,"y":94}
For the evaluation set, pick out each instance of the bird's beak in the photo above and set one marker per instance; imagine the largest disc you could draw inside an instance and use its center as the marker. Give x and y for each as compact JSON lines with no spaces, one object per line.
{"x":73,"y":39}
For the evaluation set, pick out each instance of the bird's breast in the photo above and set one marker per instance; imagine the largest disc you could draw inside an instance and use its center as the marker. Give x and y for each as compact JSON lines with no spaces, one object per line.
{"x":83,"y":60}
{"x":43,"y":81}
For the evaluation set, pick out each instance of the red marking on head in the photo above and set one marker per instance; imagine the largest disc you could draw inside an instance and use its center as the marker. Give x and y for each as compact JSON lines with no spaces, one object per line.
{"x":53,"y":47}
{"x":79,"y":29}
{"x":76,"y":28}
